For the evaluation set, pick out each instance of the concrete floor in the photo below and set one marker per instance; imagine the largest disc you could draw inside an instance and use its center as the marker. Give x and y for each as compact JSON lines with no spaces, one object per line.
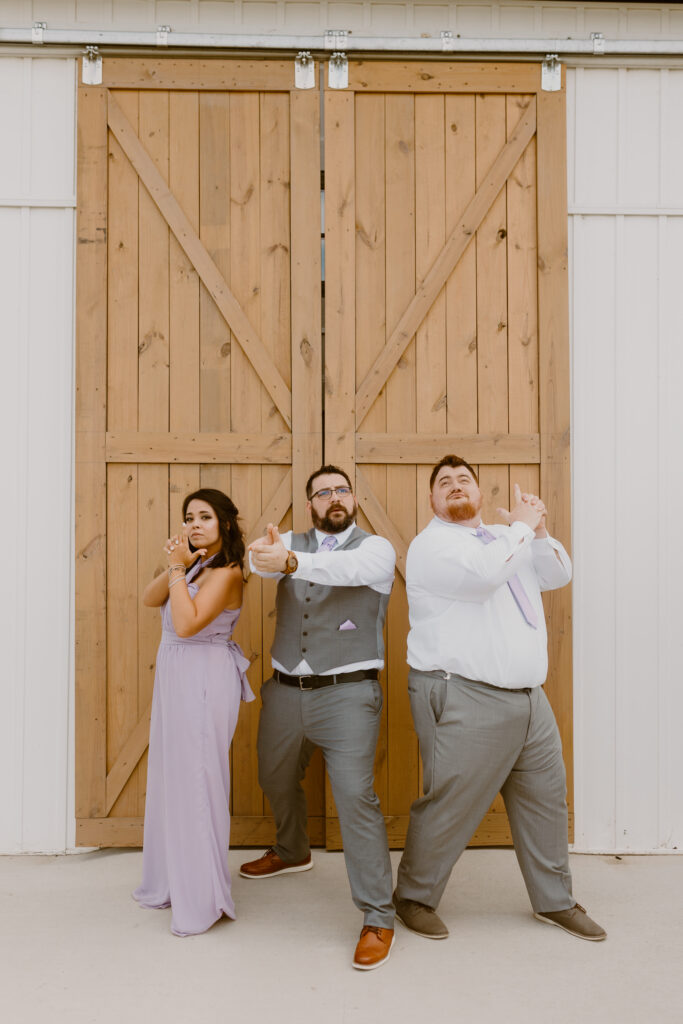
{"x":75,"y":947}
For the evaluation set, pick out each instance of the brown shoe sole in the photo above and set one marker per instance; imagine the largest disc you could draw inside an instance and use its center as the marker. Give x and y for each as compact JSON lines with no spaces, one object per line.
{"x":281,"y":871}
{"x":570,"y":931}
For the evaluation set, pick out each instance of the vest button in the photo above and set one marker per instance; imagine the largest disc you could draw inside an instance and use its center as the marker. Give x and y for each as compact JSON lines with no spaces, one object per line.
{"x":303,"y":650}
{"x":305,"y":615}
{"x":307,"y":599}
{"x":304,"y":634}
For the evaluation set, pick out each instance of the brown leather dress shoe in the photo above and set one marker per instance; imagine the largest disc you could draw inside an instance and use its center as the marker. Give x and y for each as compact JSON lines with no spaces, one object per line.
{"x":374,"y":948}
{"x":270,"y":863}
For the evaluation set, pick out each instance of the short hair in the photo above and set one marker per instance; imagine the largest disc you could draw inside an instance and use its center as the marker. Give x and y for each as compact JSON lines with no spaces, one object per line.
{"x":320,"y":472}
{"x":453,"y":461}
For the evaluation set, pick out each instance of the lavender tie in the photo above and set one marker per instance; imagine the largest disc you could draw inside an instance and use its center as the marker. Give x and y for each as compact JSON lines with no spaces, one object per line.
{"x":515,"y":584}
{"x":329,"y":543}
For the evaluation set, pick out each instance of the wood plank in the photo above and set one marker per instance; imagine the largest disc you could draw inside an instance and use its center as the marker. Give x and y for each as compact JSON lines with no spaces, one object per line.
{"x":426,"y":449}
{"x":122,"y":614}
{"x":122,"y":294}
{"x":128,"y":757}
{"x":247,"y":411}
{"x":553,"y":326}
{"x":461,"y":287}
{"x":245,"y":831}
{"x":190,"y":73}
{"x":494,"y":830}
{"x":306,"y":350}
{"x":91,"y":507}
{"x":370,"y":273}
{"x":402,"y":746}
{"x":153,"y":396}
{"x":488,"y":190}
{"x":492,"y":375}
{"x":379,"y":520}
{"x":226,"y":301}
{"x":197,"y":447}
{"x":443,"y":77}
{"x":340,"y":298}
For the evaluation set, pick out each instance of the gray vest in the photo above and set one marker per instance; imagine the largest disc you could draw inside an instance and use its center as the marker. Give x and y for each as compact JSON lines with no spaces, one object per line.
{"x":309,"y":616}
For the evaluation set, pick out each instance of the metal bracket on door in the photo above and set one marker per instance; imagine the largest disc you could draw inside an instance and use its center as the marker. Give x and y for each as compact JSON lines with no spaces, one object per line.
{"x":304,"y":70}
{"x":162,"y":34}
{"x":599,"y":45}
{"x":447,"y":41}
{"x":37,"y":32}
{"x":92,"y":66}
{"x":551,"y":74}
{"x":338,"y":71}
{"x":336,"y":38}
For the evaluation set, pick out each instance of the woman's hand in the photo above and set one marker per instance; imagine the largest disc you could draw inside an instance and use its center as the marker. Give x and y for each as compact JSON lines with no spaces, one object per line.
{"x":177,"y":549}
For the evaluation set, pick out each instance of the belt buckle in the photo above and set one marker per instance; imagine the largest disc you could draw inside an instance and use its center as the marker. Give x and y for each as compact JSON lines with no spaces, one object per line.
{"x":301,"y":685}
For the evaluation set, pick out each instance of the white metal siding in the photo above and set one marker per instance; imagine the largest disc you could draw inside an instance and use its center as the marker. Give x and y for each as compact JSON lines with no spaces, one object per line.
{"x":364,"y":17}
{"x":626,"y":253}
{"x":626,"y":258}
{"x":36,"y":298}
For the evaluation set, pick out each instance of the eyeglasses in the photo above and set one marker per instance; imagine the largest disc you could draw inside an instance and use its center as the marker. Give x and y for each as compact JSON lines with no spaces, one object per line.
{"x":327,"y":492}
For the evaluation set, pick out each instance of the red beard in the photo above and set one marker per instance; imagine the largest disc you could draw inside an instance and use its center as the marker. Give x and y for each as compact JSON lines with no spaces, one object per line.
{"x":462,"y":511}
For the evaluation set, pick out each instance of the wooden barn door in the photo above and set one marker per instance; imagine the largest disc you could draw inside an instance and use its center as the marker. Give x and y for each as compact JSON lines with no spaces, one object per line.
{"x":447,"y":330}
{"x":198,"y":364}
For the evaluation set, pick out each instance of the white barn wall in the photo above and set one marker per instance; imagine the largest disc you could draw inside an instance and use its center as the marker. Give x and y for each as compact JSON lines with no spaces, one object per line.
{"x":626,"y":216}
{"x":37,"y":198}
{"x":626,"y":250}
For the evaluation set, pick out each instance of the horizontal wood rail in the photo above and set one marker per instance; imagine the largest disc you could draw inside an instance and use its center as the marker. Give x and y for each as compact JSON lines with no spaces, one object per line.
{"x":256,"y":449}
{"x":427,"y":449}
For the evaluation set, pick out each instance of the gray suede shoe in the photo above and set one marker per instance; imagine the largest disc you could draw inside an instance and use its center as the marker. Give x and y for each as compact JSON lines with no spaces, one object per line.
{"x":419,"y":918}
{"x":575,"y":921}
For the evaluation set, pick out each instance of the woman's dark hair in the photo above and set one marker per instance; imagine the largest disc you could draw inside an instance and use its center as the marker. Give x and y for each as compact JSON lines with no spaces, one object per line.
{"x":232,"y":538}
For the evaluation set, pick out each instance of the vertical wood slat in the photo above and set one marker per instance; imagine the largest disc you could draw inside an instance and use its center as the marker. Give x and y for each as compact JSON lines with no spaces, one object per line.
{"x":522,"y":263}
{"x":91,"y":509}
{"x":153,"y":392}
{"x":370,"y":318}
{"x":184,"y":294}
{"x":340,"y":299}
{"x":248,"y":403}
{"x":122,"y":481}
{"x":306,"y":339}
{"x":492,"y":302}
{"x":401,"y":414}
{"x":306,"y":354}
{"x":553,"y":327}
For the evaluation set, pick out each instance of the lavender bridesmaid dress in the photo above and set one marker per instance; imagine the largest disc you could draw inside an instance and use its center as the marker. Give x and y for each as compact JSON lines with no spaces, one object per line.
{"x":198,"y":686}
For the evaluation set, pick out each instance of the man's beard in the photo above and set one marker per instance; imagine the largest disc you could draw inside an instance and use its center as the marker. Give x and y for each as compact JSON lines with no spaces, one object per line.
{"x":328,"y":525}
{"x":462,"y":511}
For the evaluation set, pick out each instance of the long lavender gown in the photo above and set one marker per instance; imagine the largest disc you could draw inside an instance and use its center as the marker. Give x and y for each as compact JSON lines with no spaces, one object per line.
{"x":198,"y":686}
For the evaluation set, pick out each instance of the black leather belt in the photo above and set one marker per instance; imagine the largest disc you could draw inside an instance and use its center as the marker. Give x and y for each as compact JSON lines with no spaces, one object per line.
{"x":316,"y":682}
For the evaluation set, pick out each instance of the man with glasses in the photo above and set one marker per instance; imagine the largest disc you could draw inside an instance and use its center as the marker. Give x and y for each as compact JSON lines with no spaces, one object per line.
{"x":333,"y":589}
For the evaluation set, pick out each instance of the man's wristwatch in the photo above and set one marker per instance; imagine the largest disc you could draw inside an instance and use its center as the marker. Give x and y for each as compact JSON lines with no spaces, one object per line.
{"x":291,"y":565}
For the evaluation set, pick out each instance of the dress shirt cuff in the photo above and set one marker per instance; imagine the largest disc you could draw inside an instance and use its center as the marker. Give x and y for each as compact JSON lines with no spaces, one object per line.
{"x":521,"y":531}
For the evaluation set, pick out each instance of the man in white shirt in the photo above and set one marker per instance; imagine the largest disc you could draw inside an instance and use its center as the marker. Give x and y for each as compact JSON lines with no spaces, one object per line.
{"x":333,"y":590}
{"x":477,"y":651}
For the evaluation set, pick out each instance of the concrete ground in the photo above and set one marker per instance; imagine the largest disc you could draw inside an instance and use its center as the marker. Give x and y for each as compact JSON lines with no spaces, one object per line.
{"x":75,"y":947}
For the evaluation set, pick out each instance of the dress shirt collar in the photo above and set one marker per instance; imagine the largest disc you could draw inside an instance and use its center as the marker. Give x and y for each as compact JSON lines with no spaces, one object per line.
{"x":340,"y":537}
{"x":457,"y":526}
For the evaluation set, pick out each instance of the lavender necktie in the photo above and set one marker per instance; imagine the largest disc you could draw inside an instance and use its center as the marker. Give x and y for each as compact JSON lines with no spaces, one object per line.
{"x":515,"y":584}
{"x":329,"y":543}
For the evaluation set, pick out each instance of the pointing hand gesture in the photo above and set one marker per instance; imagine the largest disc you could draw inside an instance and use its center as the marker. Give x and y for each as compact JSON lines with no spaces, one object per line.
{"x":527,"y":508}
{"x":268,"y":554}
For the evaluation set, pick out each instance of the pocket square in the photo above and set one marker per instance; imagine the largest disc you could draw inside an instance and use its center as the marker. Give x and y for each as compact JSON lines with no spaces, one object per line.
{"x":348,"y":625}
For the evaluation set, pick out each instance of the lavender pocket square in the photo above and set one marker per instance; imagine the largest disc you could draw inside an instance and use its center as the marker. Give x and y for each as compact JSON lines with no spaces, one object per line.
{"x":348,"y":625}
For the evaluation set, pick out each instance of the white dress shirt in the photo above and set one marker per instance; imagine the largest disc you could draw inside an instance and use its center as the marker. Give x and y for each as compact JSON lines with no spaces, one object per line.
{"x":371,"y":564}
{"x":463,"y":616}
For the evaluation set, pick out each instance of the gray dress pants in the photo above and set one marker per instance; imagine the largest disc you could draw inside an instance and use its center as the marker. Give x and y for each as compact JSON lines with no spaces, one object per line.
{"x":476,"y":740}
{"x":342,"y":720}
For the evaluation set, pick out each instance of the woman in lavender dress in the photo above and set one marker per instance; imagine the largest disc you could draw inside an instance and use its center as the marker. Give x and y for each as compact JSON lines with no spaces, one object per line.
{"x":200,"y":680}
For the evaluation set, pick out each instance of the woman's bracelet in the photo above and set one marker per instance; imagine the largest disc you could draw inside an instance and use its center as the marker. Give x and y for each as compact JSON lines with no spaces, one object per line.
{"x":178,"y":580}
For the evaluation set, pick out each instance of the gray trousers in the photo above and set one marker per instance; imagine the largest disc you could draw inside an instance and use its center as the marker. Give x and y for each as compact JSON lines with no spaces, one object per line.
{"x":476,"y":740}
{"x":342,"y":720}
